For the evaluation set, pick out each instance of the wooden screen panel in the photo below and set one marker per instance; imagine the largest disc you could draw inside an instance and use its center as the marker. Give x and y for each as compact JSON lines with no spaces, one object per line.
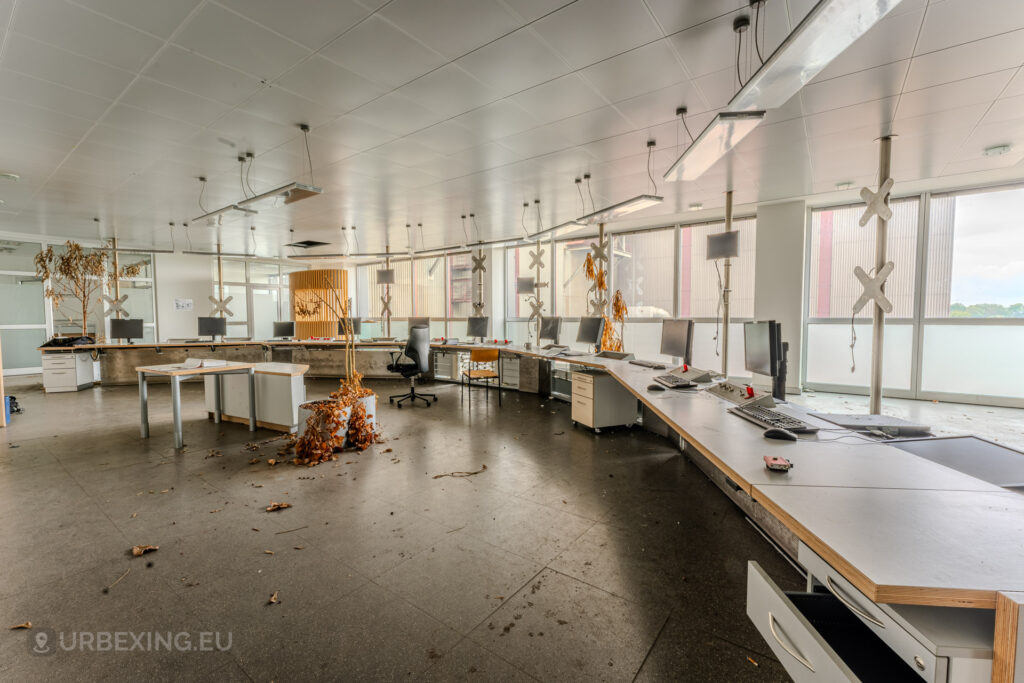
{"x":318,"y":301}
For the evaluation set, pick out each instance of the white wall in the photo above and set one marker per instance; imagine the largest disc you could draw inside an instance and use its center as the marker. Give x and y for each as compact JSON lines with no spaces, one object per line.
{"x":778,"y":279}
{"x":181,"y":276}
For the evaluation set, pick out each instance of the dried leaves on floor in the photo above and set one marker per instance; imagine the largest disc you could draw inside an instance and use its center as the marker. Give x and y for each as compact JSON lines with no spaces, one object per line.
{"x":273,"y":507}
{"x":273,"y":599}
{"x":27,"y":624}
{"x":140,"y":550}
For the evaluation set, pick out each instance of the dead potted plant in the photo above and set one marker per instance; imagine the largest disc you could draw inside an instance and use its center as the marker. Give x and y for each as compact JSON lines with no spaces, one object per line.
{"x":347,"y":417}
{"x":79,"y":275}
{"x":611,"y":339}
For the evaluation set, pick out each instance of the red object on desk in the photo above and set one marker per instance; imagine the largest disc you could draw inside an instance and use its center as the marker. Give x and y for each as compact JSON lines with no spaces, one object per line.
{"x":750,"y":392}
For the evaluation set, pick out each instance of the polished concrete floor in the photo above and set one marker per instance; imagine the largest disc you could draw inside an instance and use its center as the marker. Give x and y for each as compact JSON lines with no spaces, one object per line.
{"x":572,"y":557}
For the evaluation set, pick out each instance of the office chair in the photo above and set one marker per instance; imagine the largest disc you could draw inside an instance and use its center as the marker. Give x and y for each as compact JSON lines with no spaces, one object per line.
{"x":417,"y":350}
{"x":478,"y":357}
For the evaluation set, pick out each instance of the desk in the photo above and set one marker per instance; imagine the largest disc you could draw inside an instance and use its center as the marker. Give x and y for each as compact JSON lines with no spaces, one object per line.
{"x":176,"y":374}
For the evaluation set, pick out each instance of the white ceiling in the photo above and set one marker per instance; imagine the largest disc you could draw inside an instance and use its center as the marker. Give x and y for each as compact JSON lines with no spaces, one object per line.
{"x":424,"y":111}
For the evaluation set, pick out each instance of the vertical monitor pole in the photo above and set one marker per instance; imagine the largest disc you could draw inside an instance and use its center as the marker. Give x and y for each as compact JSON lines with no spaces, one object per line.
{"x":387,"y":294}
{"x":726,"y":284}
{"x":878,"y":315}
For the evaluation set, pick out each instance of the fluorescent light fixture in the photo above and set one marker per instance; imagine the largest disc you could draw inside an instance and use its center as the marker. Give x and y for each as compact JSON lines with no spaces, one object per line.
{"x":723,"y":133}
{"x":829,"y":28}
{"x":997,"y":150}
{"x":609,"y":213}
{"x":292,"y":192}
{"x":223,"y":209}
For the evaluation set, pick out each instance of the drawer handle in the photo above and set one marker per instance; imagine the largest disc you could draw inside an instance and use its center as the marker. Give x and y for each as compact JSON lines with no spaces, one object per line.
{"x":796,"y":655}
{"x":849,"y":604}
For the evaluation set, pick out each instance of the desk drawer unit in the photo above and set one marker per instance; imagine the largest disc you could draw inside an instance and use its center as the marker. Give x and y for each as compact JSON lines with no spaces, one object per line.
{"x":816,"y":638}
{"x":598,"y":400}
{"x":874,"y":617}
{"x":509,"y":371}
{"x":67,"y":372}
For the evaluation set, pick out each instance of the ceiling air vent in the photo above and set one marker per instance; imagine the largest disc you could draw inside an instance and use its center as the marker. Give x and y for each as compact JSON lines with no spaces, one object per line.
{"x":307,"y":244}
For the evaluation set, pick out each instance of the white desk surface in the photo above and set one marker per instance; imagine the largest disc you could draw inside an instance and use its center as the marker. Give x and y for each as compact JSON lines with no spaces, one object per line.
{"x":173,"y":369}
{"x":285,"y":369}
{"x":951,"y":548}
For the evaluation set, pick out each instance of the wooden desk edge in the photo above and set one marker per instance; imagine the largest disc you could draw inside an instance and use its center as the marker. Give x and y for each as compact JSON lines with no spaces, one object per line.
{"x":898,"y":595}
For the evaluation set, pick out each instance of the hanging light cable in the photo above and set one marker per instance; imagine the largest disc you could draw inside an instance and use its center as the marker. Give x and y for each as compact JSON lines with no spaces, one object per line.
{"x":472,"y":217}
{"x":170,"y":227}
{"x":650,"y":149}
{"x":188,"y":236}
{"x":241,"y":174}
{"x":586,"y":176}
{"x":540,"y":223}
{"x":522,"y":220}
{"x":579,"y":189}
{"x":464,"y":231}
{"x":252,"y":160}
{"x":309,"y":158}
{"x":202,"y":191}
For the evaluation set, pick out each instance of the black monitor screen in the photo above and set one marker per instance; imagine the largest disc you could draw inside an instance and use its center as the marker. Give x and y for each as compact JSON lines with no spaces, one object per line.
{"x":590,"y":330}
{"x":129,"y":328}
{"x":212,"y":327}
{"x":284,"y":329}
{"x":549,"y":329}
{"x":357,"y":327}
{"x":477,"y":326}
{"x":677,"y":339}
{"x":759,"y":352}
{"x":724,"y":245}
{"x":418,"y":322}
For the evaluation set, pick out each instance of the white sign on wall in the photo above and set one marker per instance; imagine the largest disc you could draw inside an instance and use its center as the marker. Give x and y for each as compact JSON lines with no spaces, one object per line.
{"x":183,"y":304}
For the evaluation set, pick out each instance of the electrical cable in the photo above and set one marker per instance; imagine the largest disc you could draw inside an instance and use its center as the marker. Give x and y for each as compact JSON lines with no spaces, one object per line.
{"x":583,"y":202}
{"x":170,"y":227}
{"x":718,"y":313}
{"x":188,"y":236}
{"x":688,"y":133}
{"x":650,"y":149}
{"x":202,"y":190}
{"x":241,"y":175}
{"x":757,"y":25}
{"x":739,"y":47}
{"x":252,"y":160}
{"x":853,"y":335}
{"x":522,"y":220}
{"x":309,"y":157}
{"x":540,"y":223}
{"x":589,"y":192}
{"x":464,"y":231}
{"x":764,"y":31}
{"x":472,"y":217}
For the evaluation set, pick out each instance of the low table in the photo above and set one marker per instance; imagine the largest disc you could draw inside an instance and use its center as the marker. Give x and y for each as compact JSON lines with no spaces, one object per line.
{"x":177,"y":372}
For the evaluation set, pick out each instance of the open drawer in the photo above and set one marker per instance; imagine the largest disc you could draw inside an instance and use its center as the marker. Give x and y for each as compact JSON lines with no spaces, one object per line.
{"x":816,"y":637}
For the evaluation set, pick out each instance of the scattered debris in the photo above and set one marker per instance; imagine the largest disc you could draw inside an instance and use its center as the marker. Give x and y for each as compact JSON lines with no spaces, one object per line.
{"x":434,"y":654}
{"x":217,"y":510}
{"x":257,"y":486}
{"x":140,"y":550}
{"x":214,"y":453}
{"x":483,"y":468}
{"x":254,"y":461}
{"x":278,"y":533}
{"x":273,"y":599}
{"x":753,"y":662}
{"x":268,"y":552}
{"x":27,"y":624}
{"x":134,"y":514}
{"x":386,"y":450}
{"x":300,"y":547}
{"x":272,"y":462}
{"x":126,"y":572}
{"x":562,"y":622}
{"x":273,"y":507}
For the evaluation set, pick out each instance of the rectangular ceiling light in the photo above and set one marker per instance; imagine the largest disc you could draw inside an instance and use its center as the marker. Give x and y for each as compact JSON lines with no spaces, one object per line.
{"x":223,"y":209}
{"x":609,"y":213}
{"x":829,"y":28}
{"x":292,"y":192}
{"x":714,"y":142}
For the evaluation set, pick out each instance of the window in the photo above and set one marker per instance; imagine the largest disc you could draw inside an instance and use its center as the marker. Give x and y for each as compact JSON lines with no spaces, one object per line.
{"x":234,"y":271}
{"x":518,"y":265}
{"x":430,"y":287}
{"x":700,"y":279}
{"x":571,"y":285}
{"x":461,"y":285}
{"x":838,"y":244}
{"x":976,"y":255}
{"x":644,"y":269}
{"x":264,"y":273}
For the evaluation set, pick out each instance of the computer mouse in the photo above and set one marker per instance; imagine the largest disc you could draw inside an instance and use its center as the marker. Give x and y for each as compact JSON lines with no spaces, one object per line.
{"x":655,"y":387}
{"x":779,"y":433}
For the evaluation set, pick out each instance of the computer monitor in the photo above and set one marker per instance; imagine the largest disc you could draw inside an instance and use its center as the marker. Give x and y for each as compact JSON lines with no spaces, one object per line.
{"x":285,"y":328}
{"x":677,"y":339}
{"x":419,"y":322}
{"x":477,"y":326}
{"x":213,"y":327}
{"x":724,"y":245}
{"x":590,"y":331}
{"x":550,"y":328}
{"x":357,"y":327}
{"x":128,"y":328}
{"x":761,"y":347}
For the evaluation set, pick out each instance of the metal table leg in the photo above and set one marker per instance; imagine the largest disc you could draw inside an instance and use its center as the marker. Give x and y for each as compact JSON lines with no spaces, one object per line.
{"x":179,"y":442}
{"x":143,"y":405}
{"x":252,"y":399}
{"x":216,"y":399}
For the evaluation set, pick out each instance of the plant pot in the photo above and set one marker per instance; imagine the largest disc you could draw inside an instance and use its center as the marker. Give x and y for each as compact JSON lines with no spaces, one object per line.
{"x":370,"y":403}
{"x":306,"y":409}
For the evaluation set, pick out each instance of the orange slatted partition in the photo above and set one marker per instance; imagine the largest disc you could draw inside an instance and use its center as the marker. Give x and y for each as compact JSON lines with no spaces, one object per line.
{"x":318,"y":300}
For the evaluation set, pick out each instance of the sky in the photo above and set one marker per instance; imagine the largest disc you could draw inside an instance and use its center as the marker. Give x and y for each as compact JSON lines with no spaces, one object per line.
{"x":988,"y":250}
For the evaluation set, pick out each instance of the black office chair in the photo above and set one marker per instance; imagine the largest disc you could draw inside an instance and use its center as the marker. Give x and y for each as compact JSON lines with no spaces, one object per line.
{"x":417,"y":350}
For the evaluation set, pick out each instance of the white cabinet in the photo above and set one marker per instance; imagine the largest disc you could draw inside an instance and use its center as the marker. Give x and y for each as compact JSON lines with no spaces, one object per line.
{"x":509,"y":371}
{"x":67,"y":371}
{"x":280,"y":388}
{"x":598,"y":400}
